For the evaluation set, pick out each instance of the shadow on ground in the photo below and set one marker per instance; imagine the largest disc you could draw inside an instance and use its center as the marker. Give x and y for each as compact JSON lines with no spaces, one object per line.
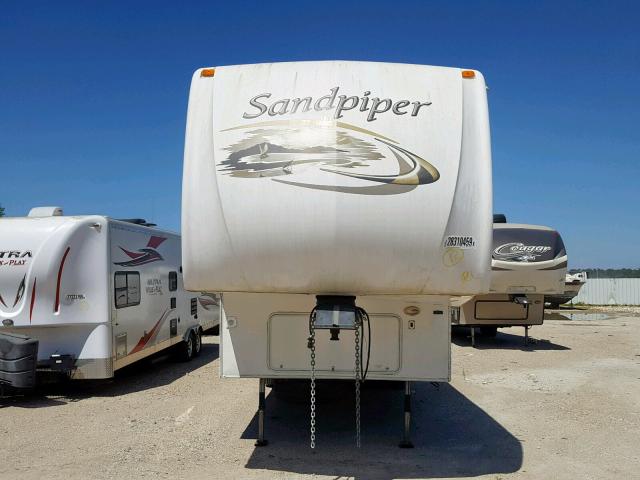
{"x":453,"y":437}
{"x":155,"y":371}
{"x":507,"y":341}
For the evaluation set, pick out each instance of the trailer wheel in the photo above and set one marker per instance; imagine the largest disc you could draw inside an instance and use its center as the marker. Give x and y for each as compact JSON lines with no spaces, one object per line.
{"x":187,"y":348}
{"x":489,"y":331}
{"x":197,"y":342}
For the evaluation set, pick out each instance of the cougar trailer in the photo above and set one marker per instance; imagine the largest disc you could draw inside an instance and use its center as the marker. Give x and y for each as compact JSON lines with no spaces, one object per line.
{"x":337,"y":206}
{"x":96,"y":293}
{"x":528,"y":262}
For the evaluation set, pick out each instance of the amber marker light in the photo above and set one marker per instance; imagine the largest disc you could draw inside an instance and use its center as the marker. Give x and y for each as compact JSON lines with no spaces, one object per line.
{"x":468,"y":74}
{"x":207,"y":72}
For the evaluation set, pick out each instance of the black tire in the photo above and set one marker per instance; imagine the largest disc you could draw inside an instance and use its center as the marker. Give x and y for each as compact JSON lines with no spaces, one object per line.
{"x":197,"y":342}
{"x":489,"y":331}
{"x":185,"y":352}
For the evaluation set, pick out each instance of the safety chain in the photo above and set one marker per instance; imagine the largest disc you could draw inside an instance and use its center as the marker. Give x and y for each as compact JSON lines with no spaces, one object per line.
{"x":357,"y":368}
{"x":312,"y":347}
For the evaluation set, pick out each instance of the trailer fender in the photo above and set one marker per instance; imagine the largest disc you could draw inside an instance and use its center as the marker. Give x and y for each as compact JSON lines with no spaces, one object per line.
{"x":195,"y":329}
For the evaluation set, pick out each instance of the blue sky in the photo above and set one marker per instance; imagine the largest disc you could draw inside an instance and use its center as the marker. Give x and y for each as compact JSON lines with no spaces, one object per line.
{"x":93,"y":98}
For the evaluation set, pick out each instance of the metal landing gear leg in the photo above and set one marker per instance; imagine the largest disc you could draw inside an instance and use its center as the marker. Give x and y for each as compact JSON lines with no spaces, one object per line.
{"x":261,"y":442}
{"x":526,"y":335}
{"x":473,"y":337}
{"x":406,"y":436}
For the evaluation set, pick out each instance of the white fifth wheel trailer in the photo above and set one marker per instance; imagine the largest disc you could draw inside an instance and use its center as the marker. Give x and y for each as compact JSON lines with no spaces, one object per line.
{"x":96,"y":293}
{"x":528,"y":262}
{"x":337,"y":205}
{"x":573,"y":282}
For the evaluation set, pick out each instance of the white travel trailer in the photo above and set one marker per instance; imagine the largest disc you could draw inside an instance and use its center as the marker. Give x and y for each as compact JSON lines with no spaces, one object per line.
{"x":337,"y":205}
{"x":572,"y":284}
{"x":96,"y":293}
{"x":528,"y":262}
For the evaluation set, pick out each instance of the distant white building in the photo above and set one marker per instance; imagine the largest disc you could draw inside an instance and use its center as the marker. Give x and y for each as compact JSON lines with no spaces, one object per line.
{"x":610,"y":291}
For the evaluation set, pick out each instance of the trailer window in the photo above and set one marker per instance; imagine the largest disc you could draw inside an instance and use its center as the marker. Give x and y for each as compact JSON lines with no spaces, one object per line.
{"x":173,"y":281}
{"x":127,"y":289}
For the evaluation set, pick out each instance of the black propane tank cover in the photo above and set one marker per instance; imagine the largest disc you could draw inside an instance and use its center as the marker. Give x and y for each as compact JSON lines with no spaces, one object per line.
{"x":18,"y":360}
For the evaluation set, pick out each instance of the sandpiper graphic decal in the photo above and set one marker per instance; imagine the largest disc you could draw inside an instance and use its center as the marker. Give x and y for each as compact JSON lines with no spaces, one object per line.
{"x":143,"y":256}
{"x":280,"y":149}
{"x":519,"y":252}
{"x":371,"y":107}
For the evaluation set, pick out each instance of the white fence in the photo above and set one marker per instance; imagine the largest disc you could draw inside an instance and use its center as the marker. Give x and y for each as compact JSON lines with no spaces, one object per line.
{"x":610,"y":291}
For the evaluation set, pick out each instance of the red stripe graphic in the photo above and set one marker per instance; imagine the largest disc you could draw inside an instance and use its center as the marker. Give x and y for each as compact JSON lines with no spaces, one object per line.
{"x":133,"y":255}
{"x":33,"y":299}
{"x":21,"y":288}
{"x":154,"y":242}
{"x":56,"y":306}
{"x":145,"y":339}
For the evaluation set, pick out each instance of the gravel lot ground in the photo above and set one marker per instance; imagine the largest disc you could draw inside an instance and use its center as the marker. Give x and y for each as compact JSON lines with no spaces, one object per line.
{"x":566,"y":406}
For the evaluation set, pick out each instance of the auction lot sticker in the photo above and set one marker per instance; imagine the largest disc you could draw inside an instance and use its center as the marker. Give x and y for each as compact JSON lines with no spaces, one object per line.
{"x":459,"y":241}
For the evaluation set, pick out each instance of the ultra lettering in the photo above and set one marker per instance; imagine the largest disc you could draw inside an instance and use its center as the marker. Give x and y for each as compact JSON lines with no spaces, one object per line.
{"x":16,"y":254}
